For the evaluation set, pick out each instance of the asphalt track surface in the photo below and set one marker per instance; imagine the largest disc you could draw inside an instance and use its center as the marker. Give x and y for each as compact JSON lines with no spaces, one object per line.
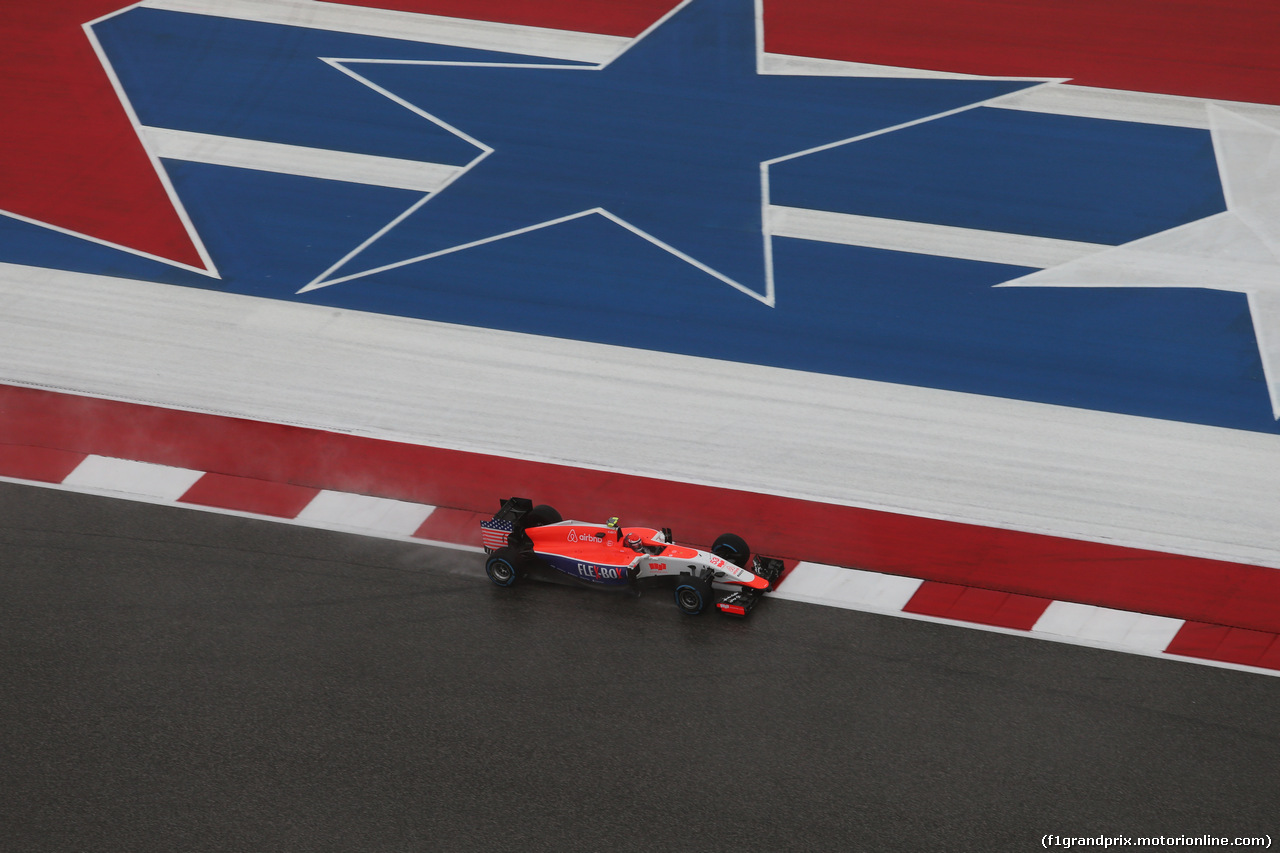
{"x":176,"y":680}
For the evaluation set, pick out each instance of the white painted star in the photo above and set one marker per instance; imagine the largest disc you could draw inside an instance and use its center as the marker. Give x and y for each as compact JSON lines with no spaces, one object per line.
{"x":1236,"y":250}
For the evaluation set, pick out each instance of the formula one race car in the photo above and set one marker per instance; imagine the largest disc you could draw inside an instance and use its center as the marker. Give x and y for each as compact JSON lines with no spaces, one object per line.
{"x":526,"y":540}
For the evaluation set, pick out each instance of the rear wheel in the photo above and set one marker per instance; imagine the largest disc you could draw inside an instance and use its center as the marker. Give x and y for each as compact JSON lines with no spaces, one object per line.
{"x":732,"y":547}
{"x":542,"y":514}
{"x":693,"y":595}
{"x":503,"y":566}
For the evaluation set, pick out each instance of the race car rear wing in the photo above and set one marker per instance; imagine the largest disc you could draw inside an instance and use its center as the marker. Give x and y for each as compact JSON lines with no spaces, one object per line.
{"x":495,"y":532}
{"x":513,"y":509}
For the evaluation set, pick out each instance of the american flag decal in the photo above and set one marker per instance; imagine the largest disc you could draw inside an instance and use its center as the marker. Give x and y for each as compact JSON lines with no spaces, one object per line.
{"x":493,"y":533}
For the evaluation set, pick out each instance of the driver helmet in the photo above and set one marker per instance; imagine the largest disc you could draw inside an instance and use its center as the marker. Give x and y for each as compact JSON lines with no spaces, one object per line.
{"x":633,"y":542}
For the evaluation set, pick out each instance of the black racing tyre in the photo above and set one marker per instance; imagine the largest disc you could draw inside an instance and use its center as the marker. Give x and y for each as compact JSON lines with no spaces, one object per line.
{"x":732,"y":547}
{"x":693,"y":595}
{"x":540,"y":515}
{"x":504,"y":566}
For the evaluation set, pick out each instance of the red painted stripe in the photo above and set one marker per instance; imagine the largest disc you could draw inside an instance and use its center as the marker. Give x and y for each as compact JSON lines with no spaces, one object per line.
{"x":37,"y":463}
{"x":1025,"y":564}
{"x":1225,"y":49}
{"x":246,"y":495}
{"x":609,"y":17}
{"x":1197,"y":639}
{"x":1246,"y":646}
{"x":69,"y":155}
{"x":1230,"y":645}
{"x":459,"y":526}
{"x":1271,"y":657}
{"x":983,"y":606}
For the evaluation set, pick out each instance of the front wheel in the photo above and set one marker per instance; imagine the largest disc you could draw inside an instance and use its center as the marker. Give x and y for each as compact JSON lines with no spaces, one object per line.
{"x":693,"y":595}
{"x":732,"y":547}
{"x":503,"y":566}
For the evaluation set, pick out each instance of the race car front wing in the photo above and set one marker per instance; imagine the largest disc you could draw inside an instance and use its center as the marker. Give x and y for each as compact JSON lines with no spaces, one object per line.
{"x":743,"y":601}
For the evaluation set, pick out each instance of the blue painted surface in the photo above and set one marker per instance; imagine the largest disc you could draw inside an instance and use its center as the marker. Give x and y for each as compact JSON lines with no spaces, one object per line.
{"x":671,"y":138}
{"x":270,"y":233}
{"x":1019,"y":172}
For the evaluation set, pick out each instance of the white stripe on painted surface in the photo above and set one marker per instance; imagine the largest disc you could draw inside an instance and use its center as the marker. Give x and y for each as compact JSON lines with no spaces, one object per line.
{"x":849,"y":588}
{"x":1012,"y":464}
{"x":140,"y":479}
{"x":409,"y":26}
{"x":298,"y":160}
{"x":806,"y":66}
{"x":924,"y":238}
{"x":812,"y":580}
{"x":1119,"y":105}
{"x":364,"y":513}
{"x":1058,"y":97}
{"x":1114,"y":628}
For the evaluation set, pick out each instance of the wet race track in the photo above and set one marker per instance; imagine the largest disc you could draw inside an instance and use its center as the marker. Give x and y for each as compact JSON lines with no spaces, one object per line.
{"x":179,"y":680}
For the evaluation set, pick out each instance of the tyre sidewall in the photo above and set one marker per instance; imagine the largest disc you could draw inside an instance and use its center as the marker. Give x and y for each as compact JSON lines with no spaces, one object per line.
{"x":684,"y":597}
{"x":503,"y":567}
{"x":732,"y":547}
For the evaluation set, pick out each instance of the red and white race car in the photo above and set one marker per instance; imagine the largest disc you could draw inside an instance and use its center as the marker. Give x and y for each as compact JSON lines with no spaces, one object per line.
{"x":522,"y":540}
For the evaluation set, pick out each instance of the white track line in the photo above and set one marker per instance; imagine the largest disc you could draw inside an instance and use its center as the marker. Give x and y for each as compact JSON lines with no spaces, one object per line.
{"x":364,"y":513}
{"x":129,"y":478}
{"x":852,"y":589}
{"x":1115,"y":628}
